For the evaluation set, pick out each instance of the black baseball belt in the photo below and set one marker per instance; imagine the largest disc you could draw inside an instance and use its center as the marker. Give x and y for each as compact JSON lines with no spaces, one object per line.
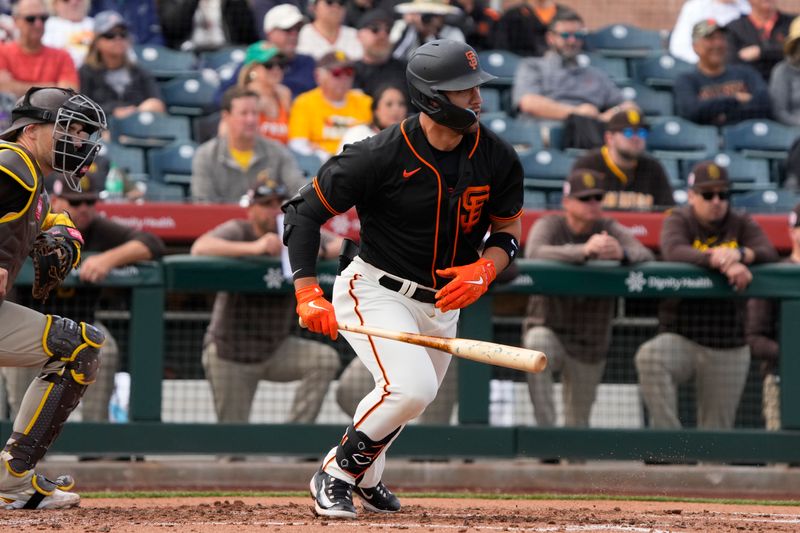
{"x":420,"y":294}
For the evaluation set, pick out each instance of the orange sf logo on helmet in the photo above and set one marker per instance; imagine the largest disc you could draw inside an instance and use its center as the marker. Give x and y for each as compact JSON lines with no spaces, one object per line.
{"x":472,"y":59}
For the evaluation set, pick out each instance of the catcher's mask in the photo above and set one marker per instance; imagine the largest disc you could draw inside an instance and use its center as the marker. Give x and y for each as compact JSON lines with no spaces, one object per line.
{"x":444,"y":65}
{"x":73,"y":150}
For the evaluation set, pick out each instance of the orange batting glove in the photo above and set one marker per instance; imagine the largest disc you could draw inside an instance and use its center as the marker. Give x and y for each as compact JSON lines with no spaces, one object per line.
{"x":469,"y":283}
{"x":316,"y":313}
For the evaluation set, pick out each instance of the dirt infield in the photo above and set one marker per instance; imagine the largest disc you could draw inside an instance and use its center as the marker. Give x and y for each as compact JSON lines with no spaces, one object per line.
{"x":294,"y":515}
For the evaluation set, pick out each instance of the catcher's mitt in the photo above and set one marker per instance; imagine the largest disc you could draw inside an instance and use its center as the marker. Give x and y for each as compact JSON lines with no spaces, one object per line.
{"x":55,"y":252}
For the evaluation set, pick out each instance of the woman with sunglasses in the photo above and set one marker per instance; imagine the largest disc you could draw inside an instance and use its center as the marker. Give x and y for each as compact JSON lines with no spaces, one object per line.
{"x":69,"y":28}
{"x":108,"y":76}
{"x":262,"y":73}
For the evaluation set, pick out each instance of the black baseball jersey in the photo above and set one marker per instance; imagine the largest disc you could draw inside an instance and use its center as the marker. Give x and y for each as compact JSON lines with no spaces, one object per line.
{"x":412,"y":221}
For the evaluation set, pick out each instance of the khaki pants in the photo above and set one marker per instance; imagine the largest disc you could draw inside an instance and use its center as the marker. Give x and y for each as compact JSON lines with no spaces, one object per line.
{"x":234,"y":384}
{"x":94,"y":404}
{"x":668,"y":360}
{"x":579,"y":381}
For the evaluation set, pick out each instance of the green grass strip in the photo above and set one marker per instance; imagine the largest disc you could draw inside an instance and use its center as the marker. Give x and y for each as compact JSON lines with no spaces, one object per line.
{"x":448,"y":495}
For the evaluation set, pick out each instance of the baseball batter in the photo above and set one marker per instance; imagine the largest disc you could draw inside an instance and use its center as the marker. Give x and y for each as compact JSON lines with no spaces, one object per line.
{"x":57,"y":130}
{"x":427,"y":191}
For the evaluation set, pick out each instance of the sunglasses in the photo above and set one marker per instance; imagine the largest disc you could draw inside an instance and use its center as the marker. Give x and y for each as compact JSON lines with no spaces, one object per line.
{"x":269,"y":65}
{"x":119,"y":34}
{"x":30,"y":19}
{"x":577,"y":35}
{"x":592,"y":198}
{"x":335,"y":2}
{"x":629,"y":133}
{"x":722,"y":195}
{"x":427,"y":18}
{"x":78,"y":202}
{"x":377,"y":28}
{"x":342,"y":72}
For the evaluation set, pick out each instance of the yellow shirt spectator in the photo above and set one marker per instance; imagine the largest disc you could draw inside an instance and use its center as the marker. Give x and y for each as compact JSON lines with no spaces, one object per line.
{"x":321,"y":123}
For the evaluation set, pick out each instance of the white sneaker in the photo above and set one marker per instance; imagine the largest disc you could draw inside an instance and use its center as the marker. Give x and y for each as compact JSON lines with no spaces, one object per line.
{"x":43,"y":494}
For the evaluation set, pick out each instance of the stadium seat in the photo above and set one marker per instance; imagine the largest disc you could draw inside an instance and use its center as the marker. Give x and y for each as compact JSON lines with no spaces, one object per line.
{"x":623,"y":40}
{"x":745,"y":173}
{"x":189,"y":96}
{"x":534,"y":200}
{"x":677,"y":138}
{"x":309,"y":164}
{"x":760,"y":138}
{"x":659,"y":71}
{"x":7,"y":101}
{"x":172,"y":164}
{"x":615,"y":67}
{"x":162,"y":192}
{"x":128,"y":158}
{"x":522,"y":134}
{"x":545,"y":169}
{"x":500,"y":63}
{"x":769,"y":201}
{"x":652,"y":103}
{"x":164,"y":63}
{"x":673,"y":170}
{"x":205,"y":127}
{"x":491,"y":100}
{"x":216,"y":58}
{"x":147,"y":129}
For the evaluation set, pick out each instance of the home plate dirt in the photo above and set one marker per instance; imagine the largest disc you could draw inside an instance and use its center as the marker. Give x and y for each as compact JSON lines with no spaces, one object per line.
{"x":294,"y":515}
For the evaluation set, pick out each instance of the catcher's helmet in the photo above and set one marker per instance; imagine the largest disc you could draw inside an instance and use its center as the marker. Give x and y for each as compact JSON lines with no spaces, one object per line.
{"x":444,"y":65}
{"x":72,"y":153}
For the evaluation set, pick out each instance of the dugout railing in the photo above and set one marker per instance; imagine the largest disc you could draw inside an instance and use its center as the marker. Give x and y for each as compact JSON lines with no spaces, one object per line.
{"x":152,"y":285}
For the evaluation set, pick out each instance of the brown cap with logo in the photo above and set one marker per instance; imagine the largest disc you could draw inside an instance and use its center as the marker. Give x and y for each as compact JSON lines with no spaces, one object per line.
{"x":263,"y":191}
{"x":705,"y":28}
{"x":583,"y":182}
{"x":334,"y":59}
{"x":631,"y":118}
{"x":707,"y":174}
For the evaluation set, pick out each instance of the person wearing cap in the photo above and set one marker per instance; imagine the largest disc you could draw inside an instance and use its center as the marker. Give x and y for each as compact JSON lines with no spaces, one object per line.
{"x":785,"y":77}
{"x":320,"y":117}
{"x":762,"y":330}
{"x":142,"y":15}
{"x":377,"y":67}
{"x":26,"y":62}
{"x":702,"y":339}
{"x":423,"y":21}
{"x":249,"y":337}
{"x":106,"y":245}
{"x":262,"y":73}
{"x":282,"y":26}
{"x":575,"y":333}
{"x":70,"y":29}
{"x":224,"y":167}
{"x":205,"y":25}
{"x":327,"y":33}
{"x":109,"y":76}
{"x":634,"y":180}
{"x":52,"y":130}
{"x":715,"y":92}
{"x":757,"y":39}
{"x":522,"y":29}
{"x":692,"y":12}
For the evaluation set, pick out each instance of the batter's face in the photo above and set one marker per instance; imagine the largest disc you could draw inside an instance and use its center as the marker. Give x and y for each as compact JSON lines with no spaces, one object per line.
{"x":467,"y":99}
{"x":709,"y":211}
{"x":263,"y":214}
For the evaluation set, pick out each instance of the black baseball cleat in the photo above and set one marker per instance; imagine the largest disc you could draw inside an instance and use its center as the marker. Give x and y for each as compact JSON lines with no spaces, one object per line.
{"x":378,"y":499}
{"x":332,"y":497}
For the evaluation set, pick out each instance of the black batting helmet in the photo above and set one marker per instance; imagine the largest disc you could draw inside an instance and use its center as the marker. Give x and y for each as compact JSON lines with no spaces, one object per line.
{"x":444,"y":65}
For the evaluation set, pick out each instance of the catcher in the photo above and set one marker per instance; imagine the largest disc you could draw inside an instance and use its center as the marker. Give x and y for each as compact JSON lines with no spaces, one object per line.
{"x":57,"y":130}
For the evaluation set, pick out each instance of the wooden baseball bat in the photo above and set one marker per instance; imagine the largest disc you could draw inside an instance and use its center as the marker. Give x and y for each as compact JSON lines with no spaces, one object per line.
{"x":474,"y":350}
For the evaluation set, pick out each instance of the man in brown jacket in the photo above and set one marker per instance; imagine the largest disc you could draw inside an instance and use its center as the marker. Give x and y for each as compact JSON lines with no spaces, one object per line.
{"x":703,"y":339}
{"x":575,"y":333}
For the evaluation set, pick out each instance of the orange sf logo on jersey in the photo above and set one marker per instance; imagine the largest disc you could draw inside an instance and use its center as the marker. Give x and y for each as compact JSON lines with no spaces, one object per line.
{"x":472,"y":202}
{"x":472,"y":59}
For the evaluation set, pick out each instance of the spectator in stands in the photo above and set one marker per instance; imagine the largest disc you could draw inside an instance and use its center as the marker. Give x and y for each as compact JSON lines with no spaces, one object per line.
{"x":389,"y":106}
{"x":762,"y":330}
{"x":6,"y":21}
{"x":141,"y":15}
{"x":107,"y":245}
{"x":633,"y":179}
{"x":476,"y":22}
{"x":555,"y":86}
{"x":423,"y":21}
{"x":249,"y":337}
{"x":262,"y":73}
{"x":523,"y":28}
{"x":320,"y":117}
{"x":110,"y":78}
{"x":282,"y":26}
{"x":206,"y":24}
{"x":70,"y":28}
{"x":260,"y":8}
{"x":692,"y":12}
{"x":355,"y":9}
{"x":703,"y":339}
{"x":717,"y":93}
{"x":575,"y":333}
{"x":328,"y":33}
{"x":757,"y":39}
{"x":377,"y":67}
{"x":785,"y":80}
{"x":225,"y":167}
{"x":27,"y":62}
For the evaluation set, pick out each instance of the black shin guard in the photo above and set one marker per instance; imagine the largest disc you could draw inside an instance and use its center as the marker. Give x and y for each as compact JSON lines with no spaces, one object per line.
{"x":356,"y":452}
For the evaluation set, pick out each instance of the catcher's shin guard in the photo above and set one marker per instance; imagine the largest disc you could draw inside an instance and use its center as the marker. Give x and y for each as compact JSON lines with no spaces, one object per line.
{"x":356,"y":452}
{"x":75,"y":348}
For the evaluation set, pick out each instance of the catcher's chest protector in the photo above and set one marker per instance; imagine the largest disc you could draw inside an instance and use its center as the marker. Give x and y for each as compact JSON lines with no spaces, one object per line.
{"x":18,"y":230}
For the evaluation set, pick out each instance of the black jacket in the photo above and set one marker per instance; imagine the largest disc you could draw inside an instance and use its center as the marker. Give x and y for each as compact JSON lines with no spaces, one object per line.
{"x":177,"y":17}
